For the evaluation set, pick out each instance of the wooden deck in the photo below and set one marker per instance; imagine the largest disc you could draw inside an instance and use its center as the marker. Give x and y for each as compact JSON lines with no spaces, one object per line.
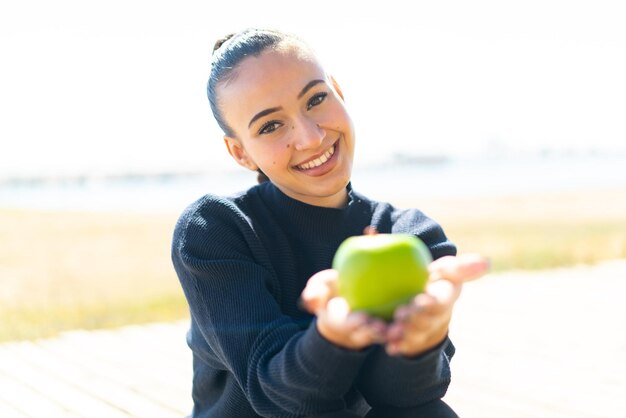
{"x":131,"y":372}
{"x":542,"y":345}
{"x":529,"y":345}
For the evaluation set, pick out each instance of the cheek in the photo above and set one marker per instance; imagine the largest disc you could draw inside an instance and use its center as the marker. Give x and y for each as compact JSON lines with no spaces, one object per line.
{"x":337,"y":116}
{"x":272,"y":155}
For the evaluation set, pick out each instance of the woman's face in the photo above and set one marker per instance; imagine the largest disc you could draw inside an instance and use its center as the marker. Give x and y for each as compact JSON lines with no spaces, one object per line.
{"x":289,"y":120}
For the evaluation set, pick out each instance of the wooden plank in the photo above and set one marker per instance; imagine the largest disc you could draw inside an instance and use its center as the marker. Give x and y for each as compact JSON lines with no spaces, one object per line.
{"x":103,"y":354}
{"x":20,"y":400}
{"x":10,"y":411}
{"x":167,"y":339}
{"x":34,"y":388}
{"x":93,"y":384}
{"x":533,"y":339}
{"x":139,"y":345}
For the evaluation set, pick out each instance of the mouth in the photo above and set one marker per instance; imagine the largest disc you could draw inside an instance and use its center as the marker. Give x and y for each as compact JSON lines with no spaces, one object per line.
{"x":321,"y":160}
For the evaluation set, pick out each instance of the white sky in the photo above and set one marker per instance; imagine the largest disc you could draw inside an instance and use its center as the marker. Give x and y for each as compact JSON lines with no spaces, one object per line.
{"x":120,"y":84}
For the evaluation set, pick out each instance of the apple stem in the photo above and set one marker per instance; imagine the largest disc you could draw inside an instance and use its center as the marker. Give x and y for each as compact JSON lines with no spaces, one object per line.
{"x":370,"y":230}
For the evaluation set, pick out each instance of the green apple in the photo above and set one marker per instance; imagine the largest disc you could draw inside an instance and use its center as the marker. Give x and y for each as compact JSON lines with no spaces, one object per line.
{"x":379,"y":272}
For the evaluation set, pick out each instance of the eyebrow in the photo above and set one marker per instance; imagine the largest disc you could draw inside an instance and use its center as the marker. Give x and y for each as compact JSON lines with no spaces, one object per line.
{"x":309,"y":86}
{"x":266,"y":112}
{"x":263,"y":113}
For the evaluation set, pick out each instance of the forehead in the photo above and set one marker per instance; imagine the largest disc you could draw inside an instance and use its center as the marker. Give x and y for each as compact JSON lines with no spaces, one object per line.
{"x":275,"y":64}
{"x":267,"y":80}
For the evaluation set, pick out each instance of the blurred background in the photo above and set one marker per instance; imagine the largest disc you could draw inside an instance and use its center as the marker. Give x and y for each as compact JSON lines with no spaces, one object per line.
{"x":505,"y":121}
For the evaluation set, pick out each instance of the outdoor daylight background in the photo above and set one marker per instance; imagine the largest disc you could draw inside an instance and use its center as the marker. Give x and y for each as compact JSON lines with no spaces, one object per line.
{"x":505,"y":121}
{"x":92,"y":87}
{"x":502,"y":120}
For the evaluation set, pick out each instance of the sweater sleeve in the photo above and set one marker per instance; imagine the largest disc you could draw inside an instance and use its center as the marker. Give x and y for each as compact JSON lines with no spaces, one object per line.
{"x":281,"y":369}
{"x":407,"y":381}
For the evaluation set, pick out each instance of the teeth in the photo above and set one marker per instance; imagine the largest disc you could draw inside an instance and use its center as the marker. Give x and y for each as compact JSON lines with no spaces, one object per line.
{"x":318,"y":161}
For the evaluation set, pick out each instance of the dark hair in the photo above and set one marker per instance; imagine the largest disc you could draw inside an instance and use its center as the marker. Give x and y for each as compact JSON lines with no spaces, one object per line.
{"x":228,"y":52}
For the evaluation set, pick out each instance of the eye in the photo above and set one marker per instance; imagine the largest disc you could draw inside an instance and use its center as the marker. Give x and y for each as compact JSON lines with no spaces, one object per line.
{"x":269,"y":127}
{"x":316,"y":100}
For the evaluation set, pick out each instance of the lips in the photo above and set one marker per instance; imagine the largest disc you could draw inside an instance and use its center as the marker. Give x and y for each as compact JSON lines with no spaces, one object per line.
{"x":318,"y":161}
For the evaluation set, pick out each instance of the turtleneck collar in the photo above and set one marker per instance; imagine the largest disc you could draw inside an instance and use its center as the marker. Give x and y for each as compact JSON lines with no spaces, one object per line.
{"x":316,"y":221}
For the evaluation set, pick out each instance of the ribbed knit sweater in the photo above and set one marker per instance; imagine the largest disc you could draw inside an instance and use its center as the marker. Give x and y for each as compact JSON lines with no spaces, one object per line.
{"x":242,"y":262}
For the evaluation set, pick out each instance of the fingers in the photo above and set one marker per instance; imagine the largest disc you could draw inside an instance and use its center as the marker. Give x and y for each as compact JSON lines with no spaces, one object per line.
{"x":417,"y":334}
{"x":443,"y":292}
{"x":319,"y":290}
{"x":422,"y":324}
{"x":335,"y":321}
{"x":352,"y":330}
{"x":337,"y":314}
{"x":424,"y":312}
{"x":361,"y":328}
{"x":459,"y":269}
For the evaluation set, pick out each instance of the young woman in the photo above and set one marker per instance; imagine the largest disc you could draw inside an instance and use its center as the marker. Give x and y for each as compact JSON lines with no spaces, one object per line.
{"x":268,"y":334}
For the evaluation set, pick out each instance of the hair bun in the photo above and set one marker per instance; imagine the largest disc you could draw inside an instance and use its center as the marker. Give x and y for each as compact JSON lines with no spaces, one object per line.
{"x":221,"y":41}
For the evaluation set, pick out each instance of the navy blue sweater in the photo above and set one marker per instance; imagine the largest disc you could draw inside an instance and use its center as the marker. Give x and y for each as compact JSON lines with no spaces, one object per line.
{"x":242,"y":262}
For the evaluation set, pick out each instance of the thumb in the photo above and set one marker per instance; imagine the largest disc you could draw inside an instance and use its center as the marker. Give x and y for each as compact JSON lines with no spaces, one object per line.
{"x":320,"y":288}
{"x":460,"y":269}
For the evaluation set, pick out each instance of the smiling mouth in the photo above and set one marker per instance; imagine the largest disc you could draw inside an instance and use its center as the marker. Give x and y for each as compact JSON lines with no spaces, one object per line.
{"x":319,"y":160}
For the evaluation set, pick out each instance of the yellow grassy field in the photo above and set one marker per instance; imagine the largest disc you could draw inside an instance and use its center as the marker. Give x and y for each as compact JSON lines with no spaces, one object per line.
{"x":62,"y":270}
{"x":539,"y":231}
{"x":66,"y":270}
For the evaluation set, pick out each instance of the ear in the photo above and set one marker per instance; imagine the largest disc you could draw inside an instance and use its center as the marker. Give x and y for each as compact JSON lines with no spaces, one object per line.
{"x":239,"y":154}
{"x":337,"y":88}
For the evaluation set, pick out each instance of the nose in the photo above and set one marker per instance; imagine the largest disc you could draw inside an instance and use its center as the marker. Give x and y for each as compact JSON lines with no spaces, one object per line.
{"x":307,"y":134}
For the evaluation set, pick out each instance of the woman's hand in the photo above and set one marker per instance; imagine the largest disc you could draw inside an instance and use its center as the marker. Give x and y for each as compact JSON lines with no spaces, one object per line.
{"x":422,"y":324}
{"x":416,"y":328}
{"x":335,"y":322}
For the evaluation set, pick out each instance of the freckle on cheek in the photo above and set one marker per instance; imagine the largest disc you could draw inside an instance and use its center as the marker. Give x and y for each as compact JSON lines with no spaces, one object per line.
{"x":288,"y":145}
{"x":274,"y":162}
